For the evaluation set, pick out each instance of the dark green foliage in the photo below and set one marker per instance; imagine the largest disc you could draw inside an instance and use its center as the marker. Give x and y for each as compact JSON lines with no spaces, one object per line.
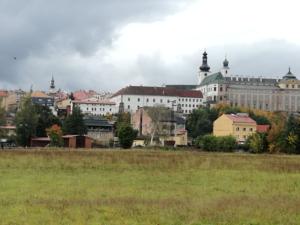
{"x":2,"y":122}
{"x":290,"y":138}
{"x":2,"y":116}
{"x":216,"y":144}
{"x":200,"y":122}
{"x":126,"y":136}
{"x":74,"y":123}
{"x":226,"y":144}
{"x":26,"y":122}
{"x":45,"y":120}
{"x":122,"y":119}
{"x":260,"y":120}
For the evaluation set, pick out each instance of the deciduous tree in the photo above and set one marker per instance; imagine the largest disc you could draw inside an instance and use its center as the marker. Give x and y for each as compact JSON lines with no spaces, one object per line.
{"x":26,"y":122}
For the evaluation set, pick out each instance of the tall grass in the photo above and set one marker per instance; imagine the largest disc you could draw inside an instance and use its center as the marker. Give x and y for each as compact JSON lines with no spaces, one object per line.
{"x":148,"y":187}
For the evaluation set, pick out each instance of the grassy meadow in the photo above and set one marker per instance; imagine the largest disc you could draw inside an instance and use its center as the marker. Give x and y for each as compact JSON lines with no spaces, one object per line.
{"x":110,"y":187}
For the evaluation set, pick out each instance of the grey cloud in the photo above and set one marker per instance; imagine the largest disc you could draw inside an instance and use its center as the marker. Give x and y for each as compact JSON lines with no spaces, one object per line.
{"x":269,"y":58}
{"x":39,"y":28}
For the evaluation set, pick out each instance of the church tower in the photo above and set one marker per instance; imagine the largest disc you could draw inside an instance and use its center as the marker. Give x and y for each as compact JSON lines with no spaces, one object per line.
{"x":204,"y":69}
{"x":225,"y":71}
{"x":52,"y":86}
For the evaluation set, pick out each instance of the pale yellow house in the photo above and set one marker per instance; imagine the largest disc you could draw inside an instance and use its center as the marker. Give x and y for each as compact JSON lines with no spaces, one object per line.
{"x":240,"y":125}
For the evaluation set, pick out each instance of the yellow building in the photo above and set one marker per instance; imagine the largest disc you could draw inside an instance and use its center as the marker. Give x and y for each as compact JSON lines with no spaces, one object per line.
{"x":240,"y":125}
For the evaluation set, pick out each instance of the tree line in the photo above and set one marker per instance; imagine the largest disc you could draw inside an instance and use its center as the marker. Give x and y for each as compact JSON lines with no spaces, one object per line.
{"x":283,"y":136}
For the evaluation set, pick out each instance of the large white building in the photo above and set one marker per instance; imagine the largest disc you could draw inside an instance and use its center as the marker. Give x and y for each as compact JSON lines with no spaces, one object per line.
{"x":131,"y":98}
{"x":93,"y":106}
{"x":257,"y":93}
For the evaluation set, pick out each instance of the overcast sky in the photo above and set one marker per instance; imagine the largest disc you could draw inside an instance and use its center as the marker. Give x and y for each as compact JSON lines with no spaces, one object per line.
{"x":109,"y":44}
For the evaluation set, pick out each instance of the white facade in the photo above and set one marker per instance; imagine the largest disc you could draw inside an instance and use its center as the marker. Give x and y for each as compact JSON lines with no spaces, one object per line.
{"x":184,"y":102}
{"x":95,"y":108}
{"x":256,"y":93}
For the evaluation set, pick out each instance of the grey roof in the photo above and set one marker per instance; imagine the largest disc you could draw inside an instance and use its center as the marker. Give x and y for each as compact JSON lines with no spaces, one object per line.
{"x":96,"y":121}
{"x":289,"y":76}
{"x":183,"y":86}
{"x":251,"y":81}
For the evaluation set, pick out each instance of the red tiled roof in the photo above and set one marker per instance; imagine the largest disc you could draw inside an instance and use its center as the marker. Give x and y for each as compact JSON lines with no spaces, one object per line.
{"x":158,"y":91}
{"x":241,"y":118}
{"x":3,"y":93}
{"x":262,"y":128}
{"x":80,"y":95}
{"x":39,"y":94}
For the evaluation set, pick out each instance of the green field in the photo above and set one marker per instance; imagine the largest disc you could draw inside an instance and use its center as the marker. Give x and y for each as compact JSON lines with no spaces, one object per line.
{"x":148,"y":187}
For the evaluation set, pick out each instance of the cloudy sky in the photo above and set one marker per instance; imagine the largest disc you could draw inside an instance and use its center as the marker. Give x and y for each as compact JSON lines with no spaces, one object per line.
{"x":108,"y":44}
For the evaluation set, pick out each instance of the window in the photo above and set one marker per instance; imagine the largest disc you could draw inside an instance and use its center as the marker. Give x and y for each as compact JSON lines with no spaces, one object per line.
{"x":251,"y":129}
{"x":221,"y":88}
{"x":237,"y":129}
{"x":147,"y":100}
{"x":244,"y":129}
{"x":154,"y":100}
{"x":128,"y":107}
{"x":129,"y":99}
{"x":215,"y":88}
{"x":139,"y":99}
{"x":161,"y":101}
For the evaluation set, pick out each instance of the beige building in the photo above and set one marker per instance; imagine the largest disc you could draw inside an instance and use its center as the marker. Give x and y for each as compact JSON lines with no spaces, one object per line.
{"x":240,"y":125}
{"x":256,"y":93}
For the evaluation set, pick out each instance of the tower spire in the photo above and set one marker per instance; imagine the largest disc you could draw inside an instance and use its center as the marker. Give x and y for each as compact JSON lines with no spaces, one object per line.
{"x":52,"y":84}
{"x":205,"y":67}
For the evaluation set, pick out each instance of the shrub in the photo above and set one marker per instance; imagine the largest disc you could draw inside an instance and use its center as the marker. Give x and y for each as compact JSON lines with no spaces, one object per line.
{"x":257,"y":143}
{"x":126,"y":136}
{"x":213,"y":143}
{"x":226,"y":143}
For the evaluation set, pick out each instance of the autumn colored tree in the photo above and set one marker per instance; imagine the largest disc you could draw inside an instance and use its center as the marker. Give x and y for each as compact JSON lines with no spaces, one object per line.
{"x":55,"y":134}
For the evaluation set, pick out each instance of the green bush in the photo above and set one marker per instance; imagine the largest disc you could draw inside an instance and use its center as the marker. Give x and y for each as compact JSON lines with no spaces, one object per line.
{"x":126,"y":136}
{"x":226,"y":144}
{"x":213,"y":143}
